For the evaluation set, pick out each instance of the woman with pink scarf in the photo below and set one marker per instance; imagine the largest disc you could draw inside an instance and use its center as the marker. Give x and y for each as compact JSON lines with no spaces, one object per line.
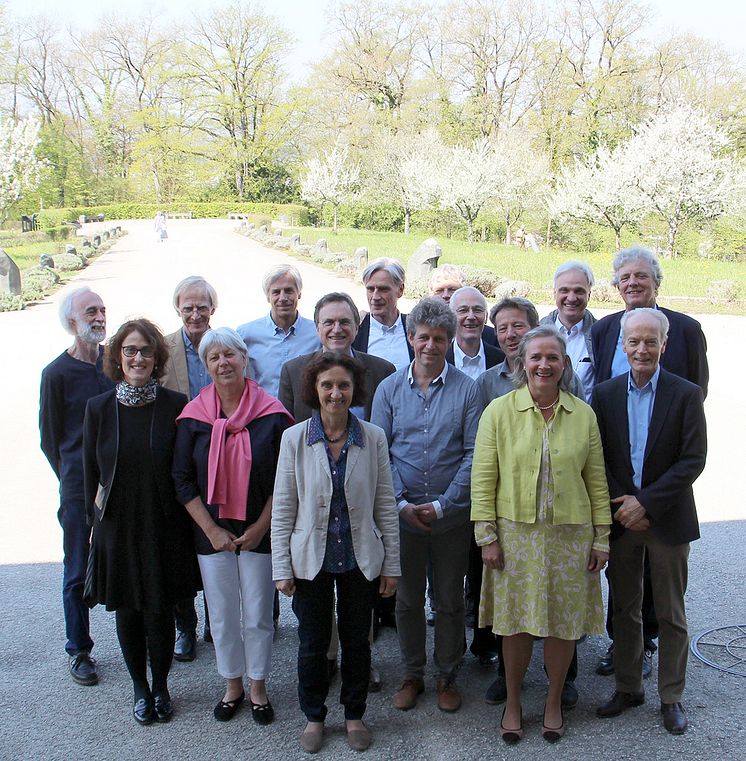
{"x":227,"y":445}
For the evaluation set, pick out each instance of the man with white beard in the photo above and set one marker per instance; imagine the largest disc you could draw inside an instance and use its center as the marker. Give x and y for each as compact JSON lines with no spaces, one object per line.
{"x":67,"y":384}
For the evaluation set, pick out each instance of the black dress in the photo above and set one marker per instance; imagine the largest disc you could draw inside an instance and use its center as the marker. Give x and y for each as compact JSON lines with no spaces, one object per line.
{"x":142,"y":555}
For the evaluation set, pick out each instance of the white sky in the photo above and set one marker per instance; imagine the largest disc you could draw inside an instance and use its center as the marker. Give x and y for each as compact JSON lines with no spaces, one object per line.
{"x":723,"y":20}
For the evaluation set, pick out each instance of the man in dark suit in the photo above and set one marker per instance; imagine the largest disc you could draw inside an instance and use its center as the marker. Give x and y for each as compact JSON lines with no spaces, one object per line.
{"x":336,"y":318}
{"x":638,"y":275}
{"x":653,"y":431}
{"x":383,"y":330}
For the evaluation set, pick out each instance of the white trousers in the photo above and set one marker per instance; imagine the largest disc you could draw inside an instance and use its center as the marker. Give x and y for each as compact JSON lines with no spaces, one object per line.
{"x":240,"y":594}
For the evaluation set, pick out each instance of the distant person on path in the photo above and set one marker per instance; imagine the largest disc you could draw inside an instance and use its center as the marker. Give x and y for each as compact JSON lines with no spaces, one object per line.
{"x":195,"y":301}
{"x":283,"y":334}
{"x":334,"y":528}
{"x":541,"y":510}
{"x":161,"y":233}
{"x":654,"y":438}
{"x":227,"y":445}
{"x":67,"y":384}
{"x":142,"y":555}
{"x":573,"y":281}
{"x":383,"y":331}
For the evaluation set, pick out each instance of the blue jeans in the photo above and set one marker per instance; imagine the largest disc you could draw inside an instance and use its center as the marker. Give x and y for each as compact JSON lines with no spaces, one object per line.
{"x":76,"y":537}
{"x":313,"y":604}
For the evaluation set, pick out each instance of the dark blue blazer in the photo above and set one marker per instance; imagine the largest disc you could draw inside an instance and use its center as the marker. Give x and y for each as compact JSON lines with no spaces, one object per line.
{"x":363,"y":335}
{"x":686,"y":348}
{"x":492,"y":355}
{"x":675,"y":453}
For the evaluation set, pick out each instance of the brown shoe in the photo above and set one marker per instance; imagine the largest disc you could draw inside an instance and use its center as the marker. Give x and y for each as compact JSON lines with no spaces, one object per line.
{"x":449,"y":698}
{"x":674,"y":718}
{"x":406,"y":696}
{"x":312,"y":737}
{"x":359,"y":739}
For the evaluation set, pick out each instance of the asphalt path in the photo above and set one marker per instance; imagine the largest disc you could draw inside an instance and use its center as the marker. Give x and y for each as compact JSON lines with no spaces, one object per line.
{"x":43,"y":715}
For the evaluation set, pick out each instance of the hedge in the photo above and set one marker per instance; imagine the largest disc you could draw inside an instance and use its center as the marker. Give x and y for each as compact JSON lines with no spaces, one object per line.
{"x":297,"y":214}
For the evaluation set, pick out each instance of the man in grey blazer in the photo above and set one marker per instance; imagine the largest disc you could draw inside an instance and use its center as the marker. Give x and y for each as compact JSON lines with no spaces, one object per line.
{"x":337,"y":319}
{"x":195,"y":301}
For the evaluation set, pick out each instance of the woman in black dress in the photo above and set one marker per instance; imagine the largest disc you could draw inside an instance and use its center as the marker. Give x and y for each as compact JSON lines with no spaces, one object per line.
{"x":142,"y":557}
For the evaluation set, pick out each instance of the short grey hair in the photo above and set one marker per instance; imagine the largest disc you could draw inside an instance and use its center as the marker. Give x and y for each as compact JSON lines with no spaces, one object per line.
{"x":575,"y":264}
{"x":656,"y":314}
{"x":516,"y":302}
{"x":462,"y":292}
{"x":519,"y":376}
{"x":385,"y":264}
{"x":434,"y":313}
{"x":191,"y":282}
{"x":225,"y":337}
{"x":635,"y":254}
{"x":65,"y":308}
{"x":282,"y":270}
{"x":446,"y":272}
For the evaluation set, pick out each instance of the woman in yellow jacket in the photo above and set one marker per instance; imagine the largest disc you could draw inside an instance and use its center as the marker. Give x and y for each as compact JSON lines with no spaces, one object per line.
{"x":540,"y":503}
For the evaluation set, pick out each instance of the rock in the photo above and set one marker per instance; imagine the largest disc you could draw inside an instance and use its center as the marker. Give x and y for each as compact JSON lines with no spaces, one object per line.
{"x":321,"y":248}
{"x":424,"y":259}
{"x":361,"y":257}
{"x":45,"y":260}
{"x":10,"y":275}
{"x":106,"y":235}
{"x":96,"y":241}
{"x":70,"y":249}
{"x":250,"y":226}
{"x":264,"y":229}
{"x":295,"y":240}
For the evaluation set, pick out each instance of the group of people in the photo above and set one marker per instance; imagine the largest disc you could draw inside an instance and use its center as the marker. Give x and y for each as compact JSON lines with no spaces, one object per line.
{"x":348,"y":463}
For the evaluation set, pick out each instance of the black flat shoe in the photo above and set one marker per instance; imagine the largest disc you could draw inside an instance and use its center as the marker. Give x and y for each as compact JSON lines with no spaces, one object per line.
{"x":225,"y":710}
{"x":143,"y":711}
{"x":262,"y":714}
{"x":163,"y":708}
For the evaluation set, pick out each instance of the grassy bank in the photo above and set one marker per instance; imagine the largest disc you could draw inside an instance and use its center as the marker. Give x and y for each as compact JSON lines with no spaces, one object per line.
{"x":685,"y":283}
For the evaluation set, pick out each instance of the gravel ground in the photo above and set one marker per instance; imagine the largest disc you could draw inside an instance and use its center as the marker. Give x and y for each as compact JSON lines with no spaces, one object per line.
{"x":44,"y":715}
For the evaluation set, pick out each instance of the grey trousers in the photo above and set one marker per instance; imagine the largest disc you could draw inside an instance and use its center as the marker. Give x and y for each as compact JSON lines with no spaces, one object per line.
{"x":449,"y":555}
{"x":668,"y":576}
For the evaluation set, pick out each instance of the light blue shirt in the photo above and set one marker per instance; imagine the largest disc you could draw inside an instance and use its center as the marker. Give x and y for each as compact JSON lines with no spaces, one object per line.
{"x":619,"y":363}
{"x":196,"y":371}
{"x":640,"y":403}
{"x":389,"y":342}
{"x":270,"y":347}
{"x":431,"y":441}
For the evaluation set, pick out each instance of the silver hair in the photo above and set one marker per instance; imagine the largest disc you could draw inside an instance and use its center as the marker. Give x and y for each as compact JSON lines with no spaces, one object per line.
{"x":434,"y":313}
{"x":575,"y":264}
{"x":656,"y":314}
{"x":191,"y":282}
{"x":636,"y":254}
{"x":225,"y":337}
{"x":282,"y":270}
{"x":385,"y":264}
{"x":519,"y":376}
{"x":65,"y":308}
{"x":446,"y":272}
{"x":462,"y":292}
{"x":516,"y":302}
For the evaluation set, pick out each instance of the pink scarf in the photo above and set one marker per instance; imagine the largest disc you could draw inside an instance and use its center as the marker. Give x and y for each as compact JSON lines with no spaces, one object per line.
{"x":229,"y":461}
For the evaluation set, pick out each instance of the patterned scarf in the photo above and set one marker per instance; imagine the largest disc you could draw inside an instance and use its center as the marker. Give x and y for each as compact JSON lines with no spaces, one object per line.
{"x":136,"y":396}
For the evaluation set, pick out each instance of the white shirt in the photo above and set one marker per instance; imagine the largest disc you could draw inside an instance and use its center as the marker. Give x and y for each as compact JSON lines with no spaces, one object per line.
{"x":577,"y":350}
{"x":389,"y":343}
{"x":472,"y":366}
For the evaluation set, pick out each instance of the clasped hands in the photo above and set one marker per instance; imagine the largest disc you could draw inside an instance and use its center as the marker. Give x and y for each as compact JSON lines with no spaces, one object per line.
{"x":386,"y":587}
{"x":223,"y":540}
{"x":419,"y":516}
{"x":632,"y":515}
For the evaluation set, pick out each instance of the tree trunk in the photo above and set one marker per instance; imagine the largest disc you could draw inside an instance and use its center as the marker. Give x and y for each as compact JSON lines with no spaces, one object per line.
{"x":673,"y":229}
{"x":549,"y":230}
{"x":407,"y":220}
{"x":335,"y":218}
{"x":617,"y":238}
{"x":470,"y":224}
{"x":508,"y":236}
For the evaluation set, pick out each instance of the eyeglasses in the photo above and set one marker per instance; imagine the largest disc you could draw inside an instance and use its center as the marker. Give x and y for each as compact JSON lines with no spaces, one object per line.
{"x":202,"y":309}
{"x":475,"y":310}
{"x":146,"y":352}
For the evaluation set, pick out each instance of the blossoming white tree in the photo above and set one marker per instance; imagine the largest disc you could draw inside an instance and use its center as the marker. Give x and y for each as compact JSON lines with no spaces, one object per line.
{"x":20,"y":170}
{"x":681,"y":168}
{"x":331,"y":179}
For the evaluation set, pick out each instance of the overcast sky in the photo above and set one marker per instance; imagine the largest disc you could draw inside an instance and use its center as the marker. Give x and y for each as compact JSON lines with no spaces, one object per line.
{"x":724,"y":20}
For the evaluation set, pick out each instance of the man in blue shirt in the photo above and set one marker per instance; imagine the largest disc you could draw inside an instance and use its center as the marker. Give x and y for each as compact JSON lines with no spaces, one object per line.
{"x":430,"y":413}
{"x":67,"y":384}
{"x":195,"y":301}
{"x":653,"y":432}
{"x":283,"y":334}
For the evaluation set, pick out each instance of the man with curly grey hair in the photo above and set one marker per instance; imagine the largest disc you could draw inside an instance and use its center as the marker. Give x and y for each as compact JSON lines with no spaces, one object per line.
{"x":67,"y":384}
{"x":430,"y":413}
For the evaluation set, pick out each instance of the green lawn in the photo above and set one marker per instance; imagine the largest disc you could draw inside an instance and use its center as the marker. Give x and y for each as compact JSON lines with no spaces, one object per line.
{"x":28,"y":255}
{"x":685,"y":281}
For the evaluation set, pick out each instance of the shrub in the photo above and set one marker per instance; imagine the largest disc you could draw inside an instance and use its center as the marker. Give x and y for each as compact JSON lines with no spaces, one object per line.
{"x":512,"y":288}
{"x":33,"y":293}
{"x":39,"y":277}
{"x":604,"y":292}
{"x":9,"y":302}
{"x":68,"y":262}
{"x":485,"y":281}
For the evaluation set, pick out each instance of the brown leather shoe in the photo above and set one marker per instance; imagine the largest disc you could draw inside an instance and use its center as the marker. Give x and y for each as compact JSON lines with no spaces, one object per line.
{"x":359,"y":739}
{"x":406,"y":695}
{"x":312,"y":737}
{"x":674,"y":718}
{"x":620,"y":701}
{"x":449,"y":698}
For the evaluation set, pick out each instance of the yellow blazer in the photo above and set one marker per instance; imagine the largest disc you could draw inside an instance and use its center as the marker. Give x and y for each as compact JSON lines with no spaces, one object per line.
{"x":303,"y":495}
{"x":507,"y":460}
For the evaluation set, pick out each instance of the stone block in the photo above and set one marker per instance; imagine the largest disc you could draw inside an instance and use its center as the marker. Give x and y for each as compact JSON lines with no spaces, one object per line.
{"x":10,"y":275}
{"x":424,"y":259}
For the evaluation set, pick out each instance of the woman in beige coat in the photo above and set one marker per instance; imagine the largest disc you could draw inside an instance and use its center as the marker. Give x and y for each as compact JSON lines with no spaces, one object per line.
{"x":334,"y":524}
